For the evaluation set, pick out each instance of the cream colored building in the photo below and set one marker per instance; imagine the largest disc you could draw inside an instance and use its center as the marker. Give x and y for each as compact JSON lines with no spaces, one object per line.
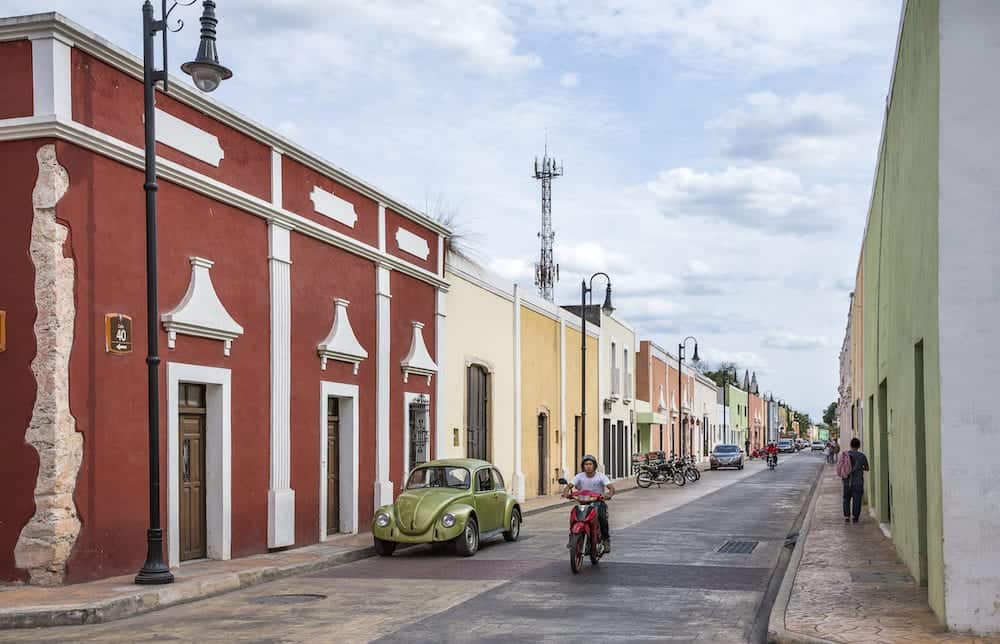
{"x":706,"y":415}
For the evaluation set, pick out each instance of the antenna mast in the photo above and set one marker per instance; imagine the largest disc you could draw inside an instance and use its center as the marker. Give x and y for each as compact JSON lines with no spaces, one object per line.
{"x":546,"y":270}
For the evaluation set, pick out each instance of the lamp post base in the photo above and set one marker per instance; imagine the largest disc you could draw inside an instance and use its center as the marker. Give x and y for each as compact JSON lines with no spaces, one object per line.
{"x":154,"y":570}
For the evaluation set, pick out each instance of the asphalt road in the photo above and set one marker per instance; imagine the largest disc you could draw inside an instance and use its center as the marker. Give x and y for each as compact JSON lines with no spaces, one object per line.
{"x":665,"y":580}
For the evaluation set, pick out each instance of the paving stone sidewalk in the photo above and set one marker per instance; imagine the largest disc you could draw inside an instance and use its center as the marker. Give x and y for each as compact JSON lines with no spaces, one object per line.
{"x":851,"y":587}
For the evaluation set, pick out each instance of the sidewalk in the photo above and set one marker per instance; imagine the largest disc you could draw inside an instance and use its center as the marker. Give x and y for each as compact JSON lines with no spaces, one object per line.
{"x":115,"y":598}
{"x":849,"y":586}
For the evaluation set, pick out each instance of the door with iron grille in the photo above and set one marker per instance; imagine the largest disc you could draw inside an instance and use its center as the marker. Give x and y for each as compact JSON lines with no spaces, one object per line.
{"x":191,"y":412}
{"x":332,"y":465}
{"x":477,"y":416}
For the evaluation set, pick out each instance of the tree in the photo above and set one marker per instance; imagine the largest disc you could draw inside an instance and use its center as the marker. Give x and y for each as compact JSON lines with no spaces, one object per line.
{"x":830,"y":414}
{"x":724,"y":367}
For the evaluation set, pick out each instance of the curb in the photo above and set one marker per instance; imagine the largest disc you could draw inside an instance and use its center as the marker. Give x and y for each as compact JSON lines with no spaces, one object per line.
{"x":776,"y":632}
{"x":159,"y":597}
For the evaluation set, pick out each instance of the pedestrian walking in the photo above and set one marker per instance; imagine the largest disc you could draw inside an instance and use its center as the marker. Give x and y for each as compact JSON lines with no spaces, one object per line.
{"x":828,"y":452}
{"x":851,"y":468}
{"x":747,"y":446}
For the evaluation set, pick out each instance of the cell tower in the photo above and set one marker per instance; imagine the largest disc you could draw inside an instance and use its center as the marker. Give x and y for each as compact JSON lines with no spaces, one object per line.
{"x":546,"y":270}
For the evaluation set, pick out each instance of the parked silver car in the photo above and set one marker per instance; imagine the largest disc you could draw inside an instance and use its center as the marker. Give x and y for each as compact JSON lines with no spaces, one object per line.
{"x":726,"y":456}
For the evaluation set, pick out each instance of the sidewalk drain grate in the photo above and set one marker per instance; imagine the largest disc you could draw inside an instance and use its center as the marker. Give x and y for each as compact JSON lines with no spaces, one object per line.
{"x":738,"y":547}
{"x":288,"y":599}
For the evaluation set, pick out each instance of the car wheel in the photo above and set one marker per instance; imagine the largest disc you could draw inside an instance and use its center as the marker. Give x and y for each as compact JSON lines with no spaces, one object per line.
{"x":467,"y":543}
{"x":384,"y":548}
{"x":740,"y":466}
{"x":515,"y":526}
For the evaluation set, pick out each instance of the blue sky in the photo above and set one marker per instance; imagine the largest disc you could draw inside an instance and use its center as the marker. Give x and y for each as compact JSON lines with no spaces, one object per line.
{"x":718,"y":153}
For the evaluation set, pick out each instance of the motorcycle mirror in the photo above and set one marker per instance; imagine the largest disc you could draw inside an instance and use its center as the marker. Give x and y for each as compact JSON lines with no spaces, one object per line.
{"x":562,"y":481}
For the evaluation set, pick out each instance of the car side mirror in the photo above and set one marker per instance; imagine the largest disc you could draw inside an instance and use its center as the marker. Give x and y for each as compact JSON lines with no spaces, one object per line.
{"x":563,"y":481}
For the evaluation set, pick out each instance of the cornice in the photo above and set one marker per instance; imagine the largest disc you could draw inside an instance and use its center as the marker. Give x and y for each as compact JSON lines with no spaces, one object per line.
{"x":87,"y":41}
{"x":105,"y":145}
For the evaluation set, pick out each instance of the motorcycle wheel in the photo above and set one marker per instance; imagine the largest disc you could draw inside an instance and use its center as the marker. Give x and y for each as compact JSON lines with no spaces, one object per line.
{"x":690,"y":474}
{"x":576,"y":553}
{"x":679,"y":479}
{"x":697,"y":472}
{"x":643,"y":480}
{"x":594,"y":557}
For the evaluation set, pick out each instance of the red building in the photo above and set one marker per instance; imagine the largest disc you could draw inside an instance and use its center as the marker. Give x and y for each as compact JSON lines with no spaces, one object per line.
{"x":301,"y":320}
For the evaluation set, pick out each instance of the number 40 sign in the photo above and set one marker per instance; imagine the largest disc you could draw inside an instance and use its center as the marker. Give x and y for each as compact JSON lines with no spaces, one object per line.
{"x":117,"y":333}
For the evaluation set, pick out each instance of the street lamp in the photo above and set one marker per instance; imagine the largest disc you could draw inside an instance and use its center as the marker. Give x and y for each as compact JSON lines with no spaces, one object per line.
{"x":680,"y":385}
{"x":207,"y":73}
{"x":725,"y":399}
{"x":769,"y":399}
{"x":608,"y":309}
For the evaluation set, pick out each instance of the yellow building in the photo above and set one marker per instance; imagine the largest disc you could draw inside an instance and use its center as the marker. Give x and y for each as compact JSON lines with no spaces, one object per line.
{"x":512,"y":364}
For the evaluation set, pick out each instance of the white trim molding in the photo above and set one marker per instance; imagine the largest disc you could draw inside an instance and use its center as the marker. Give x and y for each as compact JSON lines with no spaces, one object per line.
{"x":280,"y":495}
{"x":189,"y":139}
{"x":341,"y":343}
{"x":381,"y":227}
{"x":330,"y":205}
{"x":418,"y":361}
{"x":441,"y":319}
{"x":412,"y":243}
{"x":383,"y":298}
{"x":51,"y":76}
{"x":218,"y":459}
{"x":200,"y":312}
{"x":277,"y":197}
{"x":347,"y":451}
{"x":518,"y":481}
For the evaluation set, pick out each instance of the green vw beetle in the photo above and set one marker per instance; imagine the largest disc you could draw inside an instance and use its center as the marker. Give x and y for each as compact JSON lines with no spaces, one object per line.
{"x":460,"y":501}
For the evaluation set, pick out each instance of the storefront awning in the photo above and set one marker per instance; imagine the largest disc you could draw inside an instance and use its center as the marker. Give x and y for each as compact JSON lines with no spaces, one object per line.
{"x":649,"y":418}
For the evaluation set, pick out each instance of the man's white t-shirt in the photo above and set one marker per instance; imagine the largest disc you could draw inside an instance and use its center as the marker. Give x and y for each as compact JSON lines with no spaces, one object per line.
{"x":595,"y":483}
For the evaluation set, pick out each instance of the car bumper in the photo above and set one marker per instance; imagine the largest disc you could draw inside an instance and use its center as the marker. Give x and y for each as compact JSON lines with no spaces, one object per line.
{"x":436,"y":533}
{"x":727,"y":463}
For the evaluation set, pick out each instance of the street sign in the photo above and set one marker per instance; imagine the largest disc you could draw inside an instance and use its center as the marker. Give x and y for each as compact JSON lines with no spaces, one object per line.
{"x":117,"y":333}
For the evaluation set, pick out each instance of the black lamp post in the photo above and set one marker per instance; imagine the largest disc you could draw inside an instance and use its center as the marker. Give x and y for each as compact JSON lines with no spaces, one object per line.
{"x":585,"y":290}
{"x":207,"y":73}
{"x":725,"y":400}
{"x":680,"y":385}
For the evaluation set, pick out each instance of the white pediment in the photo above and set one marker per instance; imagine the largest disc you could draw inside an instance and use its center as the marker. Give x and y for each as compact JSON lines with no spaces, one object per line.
{"x":200,"y":312}
{"x":329,"y":204}
{"x":663,"y":403}
{"x":341,"y":343}
{"x":412,"y":243}
{"x":418,"y":360}
{"x":189,"y":139}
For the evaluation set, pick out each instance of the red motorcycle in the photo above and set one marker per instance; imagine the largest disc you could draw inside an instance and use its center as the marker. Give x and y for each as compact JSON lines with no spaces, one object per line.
{"x":584,"y":529}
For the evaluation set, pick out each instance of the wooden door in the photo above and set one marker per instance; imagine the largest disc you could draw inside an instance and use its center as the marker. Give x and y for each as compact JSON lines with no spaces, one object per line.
{"x":332,"y":465}
{"x":543,"y":453}
{"x":191,"y":409}
{"x":477,"y":421}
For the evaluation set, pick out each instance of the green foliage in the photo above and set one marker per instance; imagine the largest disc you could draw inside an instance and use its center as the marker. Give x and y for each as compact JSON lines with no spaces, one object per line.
{"x":830,"y":413}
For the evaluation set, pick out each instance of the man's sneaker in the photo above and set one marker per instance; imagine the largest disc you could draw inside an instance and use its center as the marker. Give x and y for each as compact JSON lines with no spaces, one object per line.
{"x":607,"y":545}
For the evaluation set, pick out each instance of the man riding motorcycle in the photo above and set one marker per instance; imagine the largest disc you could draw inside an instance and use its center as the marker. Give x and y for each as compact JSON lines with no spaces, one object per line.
{"x":593,"y":481}
{"x":772,"y":452}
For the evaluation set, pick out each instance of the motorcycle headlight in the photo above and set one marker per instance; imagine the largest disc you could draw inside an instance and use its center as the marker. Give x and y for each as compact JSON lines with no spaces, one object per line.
{"x":448,"y":520}
{"x":382,"y":520}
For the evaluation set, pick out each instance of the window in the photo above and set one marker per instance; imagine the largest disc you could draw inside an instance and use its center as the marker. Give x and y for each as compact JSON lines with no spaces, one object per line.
{"x":484,"y":481}
{"x":423,"y":477}
{"x":497,"y":480}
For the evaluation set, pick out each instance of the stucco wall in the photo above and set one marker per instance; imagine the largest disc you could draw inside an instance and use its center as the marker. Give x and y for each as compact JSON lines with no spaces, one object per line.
{"x":539,"y":394}
{"x":704,"y":405}
{"x":900,"y":263}
{"x":480,"y":331}
{"x":968,"y":230}
{"x":573,"y":395}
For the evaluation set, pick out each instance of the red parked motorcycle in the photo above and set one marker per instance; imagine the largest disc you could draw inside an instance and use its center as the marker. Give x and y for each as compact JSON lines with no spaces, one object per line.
{"x":584,"y":529}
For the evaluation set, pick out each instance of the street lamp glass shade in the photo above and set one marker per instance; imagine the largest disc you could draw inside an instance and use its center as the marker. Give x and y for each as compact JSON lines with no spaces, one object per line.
{"x":206,"y":76}
{"x":606,"y":307}
{"x":696,"y":358}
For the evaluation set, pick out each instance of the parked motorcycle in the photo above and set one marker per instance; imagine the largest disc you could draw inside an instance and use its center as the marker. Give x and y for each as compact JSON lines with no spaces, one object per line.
{"x":659,"y":473}
{"x":691,"y":471}
{"x":585,"y":536}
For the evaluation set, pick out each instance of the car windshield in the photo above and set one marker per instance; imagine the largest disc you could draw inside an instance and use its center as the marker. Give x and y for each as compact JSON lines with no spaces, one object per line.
{"x":784,"y":442}
{"x":439,"y":476}
{"x":726,"y":449}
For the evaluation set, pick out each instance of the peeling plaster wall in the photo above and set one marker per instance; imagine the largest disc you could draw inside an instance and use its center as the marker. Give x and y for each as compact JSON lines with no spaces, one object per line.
{"x":47,"y":540}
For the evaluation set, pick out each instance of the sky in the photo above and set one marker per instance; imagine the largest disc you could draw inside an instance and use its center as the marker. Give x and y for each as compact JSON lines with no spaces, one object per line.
{"x":718,"y":154}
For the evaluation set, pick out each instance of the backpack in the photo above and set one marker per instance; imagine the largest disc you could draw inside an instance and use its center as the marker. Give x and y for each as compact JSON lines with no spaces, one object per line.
{"x":844,"y":465}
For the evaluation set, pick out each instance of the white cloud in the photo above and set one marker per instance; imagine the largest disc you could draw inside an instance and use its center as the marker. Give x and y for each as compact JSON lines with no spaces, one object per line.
{"x":758,"y":196}
{"x":569,"y":79}
{"x":711,"y":34}
{"x":743,"y":359}
{"x":812,"y":129}
{"x":793,"y":342}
